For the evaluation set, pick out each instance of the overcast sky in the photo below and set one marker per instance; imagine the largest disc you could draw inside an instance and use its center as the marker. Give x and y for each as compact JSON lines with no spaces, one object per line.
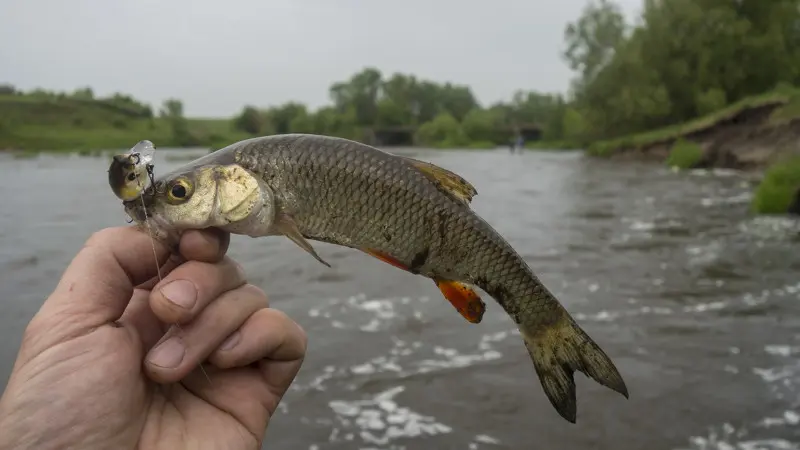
{"x":218,"y":55}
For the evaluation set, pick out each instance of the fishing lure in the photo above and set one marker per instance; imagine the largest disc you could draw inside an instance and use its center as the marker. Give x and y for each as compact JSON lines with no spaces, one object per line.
{"x":131,"y":173}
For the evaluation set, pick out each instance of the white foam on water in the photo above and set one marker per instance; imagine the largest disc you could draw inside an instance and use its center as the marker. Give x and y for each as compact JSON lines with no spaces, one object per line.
{"x":747,"y":300}
{"x":406,"y":359}
{"x":783,"y":381}
{"x":707,"y":253}
{"x":380,"y":420}
{"x":744,"y":197}
{"x":771,"y":227}
{"x":371,"y":315}
{"x":638,"y":225}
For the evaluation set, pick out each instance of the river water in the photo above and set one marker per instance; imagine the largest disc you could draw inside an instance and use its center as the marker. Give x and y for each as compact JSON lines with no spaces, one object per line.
{"x":697,"y":302}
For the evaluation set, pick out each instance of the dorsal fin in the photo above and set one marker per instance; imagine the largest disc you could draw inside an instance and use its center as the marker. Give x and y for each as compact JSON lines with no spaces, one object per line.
{"x":447,"y":181}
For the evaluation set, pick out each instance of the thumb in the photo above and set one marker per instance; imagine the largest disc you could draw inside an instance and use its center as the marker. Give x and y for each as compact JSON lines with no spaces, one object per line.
{"x":98,"y":284}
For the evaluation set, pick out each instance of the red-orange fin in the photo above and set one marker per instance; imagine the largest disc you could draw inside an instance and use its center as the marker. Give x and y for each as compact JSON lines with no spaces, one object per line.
{"x":464,"y":298}
{"x":385,"y":258}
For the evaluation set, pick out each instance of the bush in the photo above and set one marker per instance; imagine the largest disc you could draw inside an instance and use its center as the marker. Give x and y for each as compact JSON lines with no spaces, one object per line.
{"x":443,"y":131}
{"x":778,"y":188}
{"x":684,"y":154}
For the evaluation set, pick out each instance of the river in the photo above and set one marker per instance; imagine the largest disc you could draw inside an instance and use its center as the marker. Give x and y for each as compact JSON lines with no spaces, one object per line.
{"x":697,"y":302}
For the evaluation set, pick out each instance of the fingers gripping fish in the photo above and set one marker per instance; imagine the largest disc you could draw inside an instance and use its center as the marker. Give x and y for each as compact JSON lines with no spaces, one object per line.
{"x":411,"y":214}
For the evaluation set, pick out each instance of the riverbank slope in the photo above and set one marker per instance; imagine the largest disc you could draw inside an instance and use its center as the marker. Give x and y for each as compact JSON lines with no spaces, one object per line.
{"x":759,"y":134}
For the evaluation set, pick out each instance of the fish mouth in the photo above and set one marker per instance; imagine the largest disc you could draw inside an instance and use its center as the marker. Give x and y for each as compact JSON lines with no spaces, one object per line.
{"x":149,"y":221}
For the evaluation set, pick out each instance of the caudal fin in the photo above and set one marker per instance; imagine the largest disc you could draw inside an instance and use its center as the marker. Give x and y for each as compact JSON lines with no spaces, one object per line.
{"x":557,"y":352}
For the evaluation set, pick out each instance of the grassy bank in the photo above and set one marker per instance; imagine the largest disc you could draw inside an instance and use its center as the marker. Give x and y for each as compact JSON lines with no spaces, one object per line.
{"x":788,"y":99}
{"x":778,"y":189}
{"x":66,"y":124}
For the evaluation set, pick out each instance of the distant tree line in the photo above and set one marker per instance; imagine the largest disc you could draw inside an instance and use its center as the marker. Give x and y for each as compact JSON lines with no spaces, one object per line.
{"x":683,"y":59}
{"x":122,"y":103}
{"x":443,"y":114}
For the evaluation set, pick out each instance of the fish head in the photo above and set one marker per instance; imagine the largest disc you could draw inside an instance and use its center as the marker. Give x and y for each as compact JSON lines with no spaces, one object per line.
{"x":197,"y":197}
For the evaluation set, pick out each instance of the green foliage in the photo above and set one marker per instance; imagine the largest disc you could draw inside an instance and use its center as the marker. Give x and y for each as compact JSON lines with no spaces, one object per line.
{"x":573,"y":125}
{"x":441,"y":115}
{"x":684,"y":59}
{"x":684,"y":154}
{"x":484,"y":125}
{"x":777,"y":190}
{"x":250,"y":120}
{"x":443,"y":131}
{"x":790,"y":110}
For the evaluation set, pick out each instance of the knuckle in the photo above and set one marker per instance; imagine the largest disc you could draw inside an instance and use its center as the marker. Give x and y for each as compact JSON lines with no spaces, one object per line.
{"x":34,"y":328}
{"x":101,"y":237}
{"x":234,"y":266}
{"x":302,"y":337}
{"x":256,"y":293}
{"x":293,"y":332}
{"x":198,"y":272}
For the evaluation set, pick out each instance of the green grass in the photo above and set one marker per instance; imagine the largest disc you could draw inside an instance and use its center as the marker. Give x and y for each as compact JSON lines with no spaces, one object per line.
{"x":684,"y":154}
{"x":33,"y":124}
{"x":788,"y":97}
{"x":788,"y":112}
{"x":776,"y":191}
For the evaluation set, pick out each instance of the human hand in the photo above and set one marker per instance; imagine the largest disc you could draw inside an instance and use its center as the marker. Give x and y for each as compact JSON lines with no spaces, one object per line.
{"x":79,"y":380}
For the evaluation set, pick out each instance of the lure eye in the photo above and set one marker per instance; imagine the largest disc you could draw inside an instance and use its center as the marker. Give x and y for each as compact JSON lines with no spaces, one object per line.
{"x":179,"y":191}
{"x":131,"y":176}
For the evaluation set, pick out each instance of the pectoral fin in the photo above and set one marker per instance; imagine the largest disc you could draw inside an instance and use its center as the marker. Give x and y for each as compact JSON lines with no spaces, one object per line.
{"x":447,"y":181}
{"x":286,"y":226}
{"x":464,"y":298}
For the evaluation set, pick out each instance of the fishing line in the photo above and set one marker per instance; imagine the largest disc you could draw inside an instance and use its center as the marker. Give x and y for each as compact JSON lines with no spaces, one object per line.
{"x":150,"y":232}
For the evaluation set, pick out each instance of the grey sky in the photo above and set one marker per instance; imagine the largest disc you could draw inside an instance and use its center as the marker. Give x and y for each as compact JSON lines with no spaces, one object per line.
{"x":218,"y":55}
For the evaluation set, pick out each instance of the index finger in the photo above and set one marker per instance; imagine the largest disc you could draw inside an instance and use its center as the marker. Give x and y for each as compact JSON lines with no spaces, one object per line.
{"x":209,"y":246}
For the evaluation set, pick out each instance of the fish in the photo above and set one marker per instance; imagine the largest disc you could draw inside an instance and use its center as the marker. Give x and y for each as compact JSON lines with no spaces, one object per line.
{"x":403,"y":211}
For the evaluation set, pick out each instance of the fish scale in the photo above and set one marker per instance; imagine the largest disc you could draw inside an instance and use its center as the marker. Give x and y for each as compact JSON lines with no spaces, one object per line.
{"x":408,"y":213}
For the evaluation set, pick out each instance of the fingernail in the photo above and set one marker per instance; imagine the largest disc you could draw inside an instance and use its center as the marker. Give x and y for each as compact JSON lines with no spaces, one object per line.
{"x":168,"y":354}
{"x":180,"y":292}
{"x":231,"y":341}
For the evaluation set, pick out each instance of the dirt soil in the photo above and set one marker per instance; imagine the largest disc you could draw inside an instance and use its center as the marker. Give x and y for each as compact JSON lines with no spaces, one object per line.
{"x":747,"y":141}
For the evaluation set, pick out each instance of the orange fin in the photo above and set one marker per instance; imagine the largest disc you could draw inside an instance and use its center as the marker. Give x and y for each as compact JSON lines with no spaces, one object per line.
{"x":464,"y":298}
{"x":385,"y":258}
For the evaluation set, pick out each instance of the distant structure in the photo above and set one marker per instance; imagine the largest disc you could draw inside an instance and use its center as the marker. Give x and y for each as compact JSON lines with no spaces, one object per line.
{"x":403,"y":136}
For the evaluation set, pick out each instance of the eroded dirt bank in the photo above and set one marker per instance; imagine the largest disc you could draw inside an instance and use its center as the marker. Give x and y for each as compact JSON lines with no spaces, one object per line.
{"x":751,"y":139}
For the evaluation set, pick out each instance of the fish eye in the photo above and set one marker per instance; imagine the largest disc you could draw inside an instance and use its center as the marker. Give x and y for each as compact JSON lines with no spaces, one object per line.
{"x":180,"y":190}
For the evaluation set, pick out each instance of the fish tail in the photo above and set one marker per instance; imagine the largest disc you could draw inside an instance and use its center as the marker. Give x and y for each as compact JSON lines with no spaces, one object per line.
{"x":557,"y":351}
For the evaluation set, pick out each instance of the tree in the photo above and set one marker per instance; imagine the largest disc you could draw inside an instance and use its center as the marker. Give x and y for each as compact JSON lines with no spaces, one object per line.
{"x":443,"y":130}
{"x":250,"y":120}
{"x":172,"y":111}
{"x":593,"y":38}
